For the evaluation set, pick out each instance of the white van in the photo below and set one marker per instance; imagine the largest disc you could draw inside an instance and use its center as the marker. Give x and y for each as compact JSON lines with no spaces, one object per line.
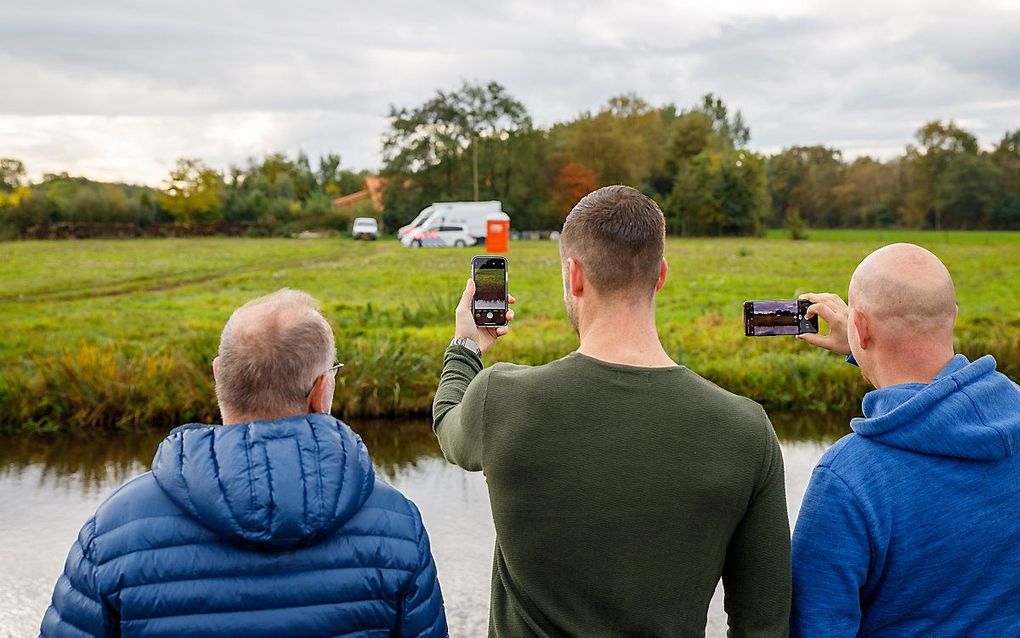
{"x":470,"y":215}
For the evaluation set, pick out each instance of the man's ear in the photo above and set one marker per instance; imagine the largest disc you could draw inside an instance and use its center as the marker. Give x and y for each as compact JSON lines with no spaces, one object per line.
{"x":663,"y":269}
{"x":318,"y":395}
{"x":863,"y":327}
{"x":215,"y":368}
{"x":575,"y":277}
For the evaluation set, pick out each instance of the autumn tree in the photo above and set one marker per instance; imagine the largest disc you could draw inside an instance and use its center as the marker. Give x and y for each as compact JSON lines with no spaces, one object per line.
{"x":192,"y":191}
{"x":572,"y":182}
{"x":622,"y":143}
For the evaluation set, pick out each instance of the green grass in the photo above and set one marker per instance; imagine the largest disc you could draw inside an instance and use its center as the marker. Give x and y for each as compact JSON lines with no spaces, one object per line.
{"x":121,"y":333}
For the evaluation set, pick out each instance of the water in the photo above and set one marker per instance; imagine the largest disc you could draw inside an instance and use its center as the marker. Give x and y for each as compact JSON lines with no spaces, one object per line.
{"x":49,"y":487}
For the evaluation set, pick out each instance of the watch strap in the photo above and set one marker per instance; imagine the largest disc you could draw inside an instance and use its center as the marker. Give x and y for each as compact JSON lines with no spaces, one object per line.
{"x":470,"y":344}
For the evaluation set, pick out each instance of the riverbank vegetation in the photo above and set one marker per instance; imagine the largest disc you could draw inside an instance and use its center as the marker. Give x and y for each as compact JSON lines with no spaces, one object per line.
{"x":121,"y":334}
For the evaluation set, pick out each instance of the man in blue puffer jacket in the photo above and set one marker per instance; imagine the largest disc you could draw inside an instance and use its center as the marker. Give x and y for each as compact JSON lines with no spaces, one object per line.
{"x":909,"y":525}
{"x":272,"y":524}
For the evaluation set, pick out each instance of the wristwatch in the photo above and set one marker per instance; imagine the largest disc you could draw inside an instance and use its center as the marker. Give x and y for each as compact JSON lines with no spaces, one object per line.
{"x":467,"y":343}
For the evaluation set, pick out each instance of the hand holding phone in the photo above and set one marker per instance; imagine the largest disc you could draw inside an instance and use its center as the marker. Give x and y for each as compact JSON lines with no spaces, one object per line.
{"x":834,"y":311}
{"x":489,"y":304}
{"x":466,"y":327}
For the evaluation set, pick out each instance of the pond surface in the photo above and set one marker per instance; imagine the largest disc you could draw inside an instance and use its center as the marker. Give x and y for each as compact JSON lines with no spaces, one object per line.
{"x":50,"y":486}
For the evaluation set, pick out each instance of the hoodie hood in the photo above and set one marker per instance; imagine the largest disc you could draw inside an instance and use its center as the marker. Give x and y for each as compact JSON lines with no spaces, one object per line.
{"x":269,"y":485}
{"x":968,"y":411}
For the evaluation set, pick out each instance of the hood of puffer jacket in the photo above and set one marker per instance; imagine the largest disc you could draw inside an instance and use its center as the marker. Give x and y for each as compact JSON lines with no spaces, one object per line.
{"x":268,"y":485}
{"x":968,"y":411}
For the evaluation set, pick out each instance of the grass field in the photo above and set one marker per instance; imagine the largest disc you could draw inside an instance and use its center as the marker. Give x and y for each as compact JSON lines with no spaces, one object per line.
{"x":121,"y":333}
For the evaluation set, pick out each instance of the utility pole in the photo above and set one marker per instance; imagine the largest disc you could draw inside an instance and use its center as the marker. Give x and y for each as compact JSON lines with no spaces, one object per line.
{"x":474,"y":164}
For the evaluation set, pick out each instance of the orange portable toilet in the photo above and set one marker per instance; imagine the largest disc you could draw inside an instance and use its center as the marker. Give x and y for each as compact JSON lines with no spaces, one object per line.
{"x":497,"y":233}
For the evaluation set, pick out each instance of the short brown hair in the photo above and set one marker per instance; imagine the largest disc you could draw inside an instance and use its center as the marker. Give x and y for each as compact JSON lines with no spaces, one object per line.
{"x":271,"y":352}
{"x":617,"y":233}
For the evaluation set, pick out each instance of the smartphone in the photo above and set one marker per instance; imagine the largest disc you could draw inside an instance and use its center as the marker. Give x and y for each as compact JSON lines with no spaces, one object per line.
{"x":778,"y":317}
{"x":489,"y":305}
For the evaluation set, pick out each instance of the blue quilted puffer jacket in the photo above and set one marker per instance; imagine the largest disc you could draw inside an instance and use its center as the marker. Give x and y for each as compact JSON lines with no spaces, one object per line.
{"x":258,"y":529}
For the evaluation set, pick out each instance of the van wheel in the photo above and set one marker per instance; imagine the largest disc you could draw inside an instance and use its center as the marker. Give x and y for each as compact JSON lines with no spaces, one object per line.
{"x":459,"y":243}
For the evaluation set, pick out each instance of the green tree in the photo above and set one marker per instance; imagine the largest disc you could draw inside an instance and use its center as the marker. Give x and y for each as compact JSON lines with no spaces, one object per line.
{"x":328,"y":175}
{"x":192,"y":192}
{"x":12,"y":174}
{"x":1007,"y":156}
{"x":937,"y":144}
{"x":719,"y":187}
{"x":969,"y":192}
{"x":447,"y":128}
{"x":87,"y":205}
{"x":805,"y":181}
{"x":720,"y":194}
{"x":458,"y":145}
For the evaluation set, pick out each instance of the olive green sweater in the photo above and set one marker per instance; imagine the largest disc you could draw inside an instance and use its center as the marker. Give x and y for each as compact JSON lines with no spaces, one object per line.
{"x":620,"y":495}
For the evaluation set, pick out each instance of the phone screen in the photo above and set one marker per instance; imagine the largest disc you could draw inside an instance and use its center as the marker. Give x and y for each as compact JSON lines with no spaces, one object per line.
{"x":490,"y":303}
{"x":778,"y":317}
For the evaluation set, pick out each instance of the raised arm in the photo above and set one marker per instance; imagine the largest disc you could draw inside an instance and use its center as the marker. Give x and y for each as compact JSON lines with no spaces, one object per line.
{"x":458,"y":412}
{"x":459,"y":406}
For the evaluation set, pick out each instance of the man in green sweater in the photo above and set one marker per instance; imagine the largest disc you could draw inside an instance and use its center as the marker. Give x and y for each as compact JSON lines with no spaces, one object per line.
{"x":623,"y":486}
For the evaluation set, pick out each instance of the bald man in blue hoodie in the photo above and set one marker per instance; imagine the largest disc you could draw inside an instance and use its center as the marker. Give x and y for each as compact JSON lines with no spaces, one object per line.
{"x":909,"y":526}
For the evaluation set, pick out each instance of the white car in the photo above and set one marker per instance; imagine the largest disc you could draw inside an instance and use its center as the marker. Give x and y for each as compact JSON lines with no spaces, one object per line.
{"x":365,"y":228}
{"x":433,"y":236}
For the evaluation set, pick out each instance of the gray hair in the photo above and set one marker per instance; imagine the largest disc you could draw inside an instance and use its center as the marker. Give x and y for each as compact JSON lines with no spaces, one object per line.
{"x":271,"y":351}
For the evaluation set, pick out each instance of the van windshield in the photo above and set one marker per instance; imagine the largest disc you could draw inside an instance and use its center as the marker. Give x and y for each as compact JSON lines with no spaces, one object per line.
{"x":421,"y":217}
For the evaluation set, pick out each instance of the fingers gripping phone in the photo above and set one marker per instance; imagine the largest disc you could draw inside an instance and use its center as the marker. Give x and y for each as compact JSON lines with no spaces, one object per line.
{"x":489,"y":305}
{"x":778,"y":317}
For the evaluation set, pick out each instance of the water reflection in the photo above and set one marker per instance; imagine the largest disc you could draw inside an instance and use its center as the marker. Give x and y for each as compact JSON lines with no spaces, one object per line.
{"x":98,"y":459}
{"x":395,"y":446}
{"x":49,"y":486}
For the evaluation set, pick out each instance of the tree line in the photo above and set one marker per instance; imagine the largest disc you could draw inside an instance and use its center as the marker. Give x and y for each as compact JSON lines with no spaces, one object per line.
{"x":479,"y":142}
{"x":271,"y":195}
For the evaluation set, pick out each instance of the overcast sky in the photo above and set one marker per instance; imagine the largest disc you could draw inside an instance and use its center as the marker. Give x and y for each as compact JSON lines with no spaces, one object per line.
{"x":120,"y":90}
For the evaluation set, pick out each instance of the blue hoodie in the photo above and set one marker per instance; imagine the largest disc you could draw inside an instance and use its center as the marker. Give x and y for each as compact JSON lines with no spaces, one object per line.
{"x":910,"y":525}
{"x":259,"y":529}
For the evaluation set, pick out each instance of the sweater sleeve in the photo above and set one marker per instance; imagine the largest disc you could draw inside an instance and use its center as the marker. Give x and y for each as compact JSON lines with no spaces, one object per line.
{"x":77,"y":608}
{"x":459,"y":407}
{"x":756,"y":575}
{"x":831,"y":558}
{"x":423,"y":614}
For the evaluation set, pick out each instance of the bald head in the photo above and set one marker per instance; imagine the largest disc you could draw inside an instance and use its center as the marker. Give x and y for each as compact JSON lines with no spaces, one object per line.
{"x":905,"y":286}
{"x":272,"y":350}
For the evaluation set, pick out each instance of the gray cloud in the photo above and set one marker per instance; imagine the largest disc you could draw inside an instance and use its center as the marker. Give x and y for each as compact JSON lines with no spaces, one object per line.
{"x":122,"y":89}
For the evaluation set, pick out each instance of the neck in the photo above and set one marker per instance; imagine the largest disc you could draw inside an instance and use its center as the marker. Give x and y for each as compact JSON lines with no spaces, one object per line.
{"x":230,"y":418}
{"x":910,"y":367}
{"x":623,"y":333}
